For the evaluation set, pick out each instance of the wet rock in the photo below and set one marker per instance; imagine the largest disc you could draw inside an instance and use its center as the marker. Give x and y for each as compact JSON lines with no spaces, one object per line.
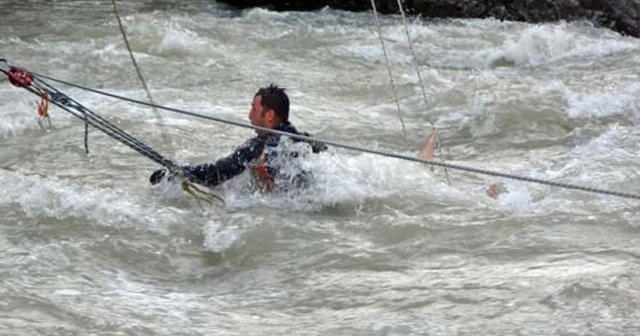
{"x":620,"y":15}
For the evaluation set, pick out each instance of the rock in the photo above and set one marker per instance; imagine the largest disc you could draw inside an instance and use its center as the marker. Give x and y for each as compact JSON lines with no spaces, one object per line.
{"x":620,"y":15}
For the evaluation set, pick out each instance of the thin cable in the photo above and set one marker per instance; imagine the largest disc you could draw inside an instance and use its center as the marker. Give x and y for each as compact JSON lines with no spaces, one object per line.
{"x":90,"y":118}
{"x":135,"y":63}
{"x":443,"y":164}
{"x":424,"y":93}
{"x":69,"y":102}
{"x":86,"y":133}
{"x":133,"y":59}
{"x":386,"y":59}
{"x":40,"y":88}
{"x":415,"y":58}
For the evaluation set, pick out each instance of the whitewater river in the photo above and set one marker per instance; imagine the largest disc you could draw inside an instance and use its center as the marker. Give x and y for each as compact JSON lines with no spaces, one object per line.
{"x":376,"y":246}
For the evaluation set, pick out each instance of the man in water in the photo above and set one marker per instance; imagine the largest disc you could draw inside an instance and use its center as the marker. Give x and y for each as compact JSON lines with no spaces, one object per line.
{"x":269,"y":109}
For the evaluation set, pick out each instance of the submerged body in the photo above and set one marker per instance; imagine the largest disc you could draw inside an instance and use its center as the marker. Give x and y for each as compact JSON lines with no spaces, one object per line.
{"x":428,"y":149}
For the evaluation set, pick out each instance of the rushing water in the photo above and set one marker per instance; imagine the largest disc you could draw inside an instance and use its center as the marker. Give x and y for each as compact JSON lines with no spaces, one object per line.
{"x":377,"y":246}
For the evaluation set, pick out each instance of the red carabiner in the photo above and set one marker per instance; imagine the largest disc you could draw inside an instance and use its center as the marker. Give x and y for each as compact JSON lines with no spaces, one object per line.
{"x":19,"y":77}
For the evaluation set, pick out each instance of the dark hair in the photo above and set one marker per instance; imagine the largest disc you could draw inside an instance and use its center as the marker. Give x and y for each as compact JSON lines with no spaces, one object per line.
{"x":275,"y":98}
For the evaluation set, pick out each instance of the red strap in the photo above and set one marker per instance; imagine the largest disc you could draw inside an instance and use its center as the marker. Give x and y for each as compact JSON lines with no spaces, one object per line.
{"x":20,"y":78}
{"x":264,"y":177}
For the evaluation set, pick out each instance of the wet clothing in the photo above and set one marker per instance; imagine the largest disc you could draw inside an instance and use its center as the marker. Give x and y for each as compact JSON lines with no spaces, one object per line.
{"x":258,"y":154}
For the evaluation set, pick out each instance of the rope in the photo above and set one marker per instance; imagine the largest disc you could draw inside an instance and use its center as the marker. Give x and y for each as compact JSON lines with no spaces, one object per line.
{"x":443,"y":164}
{"x":135,"y":64}
{"x":195,"y":192}
{"x":417,"y":68}
{"x":86,"y":133}
{"x":90,"y":118}
{"x":76,"y":109}
{"x":39,"y":88}
{"x":414,"y":57}
{"x":386,"y":58}
{"x":133,"y":59}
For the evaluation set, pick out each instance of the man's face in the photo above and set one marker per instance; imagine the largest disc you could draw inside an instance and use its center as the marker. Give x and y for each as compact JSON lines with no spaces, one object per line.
{"x":258,"y":116}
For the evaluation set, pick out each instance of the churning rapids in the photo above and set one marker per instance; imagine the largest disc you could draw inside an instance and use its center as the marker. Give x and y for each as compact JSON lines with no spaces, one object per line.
{"x":377,"y":246}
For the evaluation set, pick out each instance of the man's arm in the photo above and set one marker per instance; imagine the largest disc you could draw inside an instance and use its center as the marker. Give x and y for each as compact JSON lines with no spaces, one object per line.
{"x":212,"y":174}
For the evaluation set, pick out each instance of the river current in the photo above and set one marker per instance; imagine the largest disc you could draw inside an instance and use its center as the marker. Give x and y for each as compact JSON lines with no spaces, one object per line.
{"x":377,"y":245}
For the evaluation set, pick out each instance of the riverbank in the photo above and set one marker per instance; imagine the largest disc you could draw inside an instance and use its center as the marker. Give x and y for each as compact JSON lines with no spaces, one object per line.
{"x":622,"y":16}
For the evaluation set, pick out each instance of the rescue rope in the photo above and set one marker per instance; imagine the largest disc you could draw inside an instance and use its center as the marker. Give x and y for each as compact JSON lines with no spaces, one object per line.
{"x":29,"y":81}
{"x":167,"y":163}
{"x":417,"y":68}
{"x":135,"y":65}
{"x":133,"y":59}
{"x":390,"y":72}
{"x":90,"y":118}
{"x":415,"y":59}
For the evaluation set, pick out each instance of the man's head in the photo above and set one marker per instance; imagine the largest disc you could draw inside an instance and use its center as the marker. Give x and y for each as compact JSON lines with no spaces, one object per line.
{"x":270,"y":107}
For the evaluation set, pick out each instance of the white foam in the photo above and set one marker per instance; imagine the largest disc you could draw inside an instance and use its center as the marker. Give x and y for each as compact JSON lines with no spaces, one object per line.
{"x":50,"y":197}
{"x":604,"y":102}
{"x":539,"y":44}
{"x":219,"y":237}
{"x":342,"y":178}
{"x":516,"y":198}
{"x":617,"y":147}
{"x":109,"y":53}
{"x":18,"y":116}
{"x":128,"y":295}
{"x":67,"y":292}
{"x":371,"y":52}
{"x":265,"y":15}
{"x":179,"y":42}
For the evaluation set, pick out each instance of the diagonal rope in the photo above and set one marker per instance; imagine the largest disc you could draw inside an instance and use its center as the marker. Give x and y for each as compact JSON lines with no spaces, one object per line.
{"x":39,"y":88}
{"x":90,"y":118}
{"x":421,"y":81}
{"x":133,"y":59}
{"x":442,"y":164}
{"x":386,"y":59}
{"x":135,"y":63}
{"x":415,"y":58}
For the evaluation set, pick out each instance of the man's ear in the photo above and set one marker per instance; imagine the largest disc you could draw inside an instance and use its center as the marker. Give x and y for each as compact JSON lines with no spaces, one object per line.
{"x":271,"y":115}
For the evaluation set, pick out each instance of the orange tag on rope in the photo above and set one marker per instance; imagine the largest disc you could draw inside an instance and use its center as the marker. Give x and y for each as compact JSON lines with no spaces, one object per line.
{"x":43,"y":111}
{"x":43,"y":106}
